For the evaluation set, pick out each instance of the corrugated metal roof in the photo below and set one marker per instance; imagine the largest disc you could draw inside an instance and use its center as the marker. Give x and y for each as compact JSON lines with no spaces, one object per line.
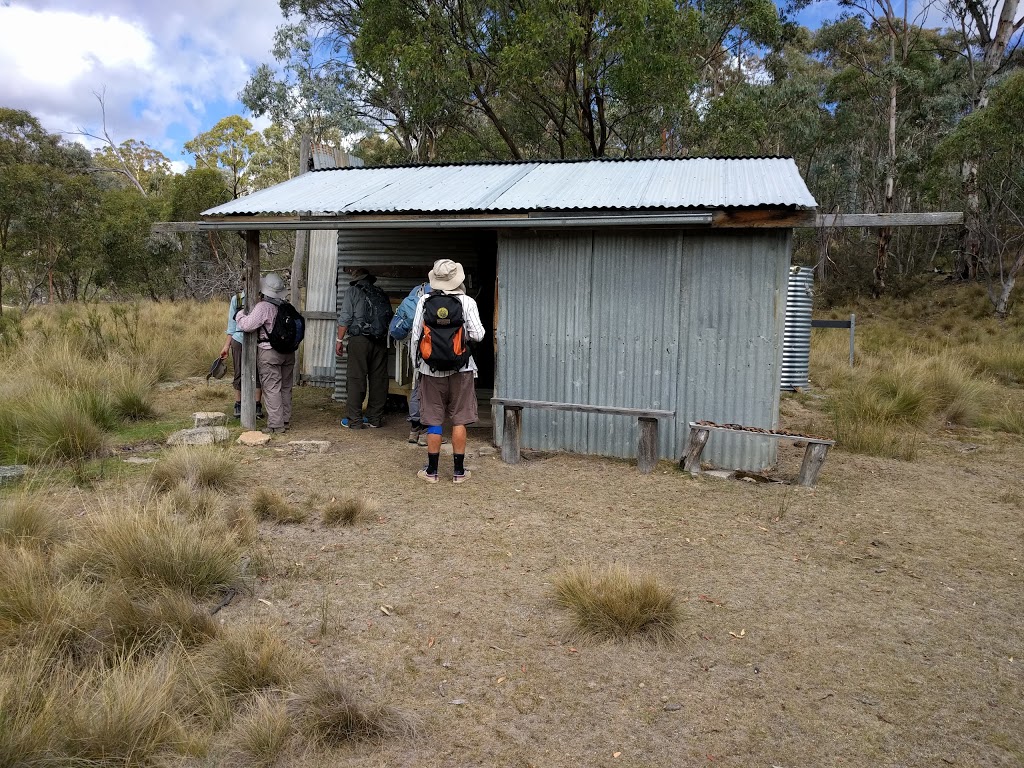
{"x":653,"y":184}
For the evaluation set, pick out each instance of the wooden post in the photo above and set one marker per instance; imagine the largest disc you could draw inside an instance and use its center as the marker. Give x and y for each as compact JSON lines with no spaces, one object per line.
{"x":695,"y":447}
{"x":252,"y":292}
{"x":299,"y":259}
{"x":814,"y":457}
{"x":510,"y":441}
{"x":647,"y":445}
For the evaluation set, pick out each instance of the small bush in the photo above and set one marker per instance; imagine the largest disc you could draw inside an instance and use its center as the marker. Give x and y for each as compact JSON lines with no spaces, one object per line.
{"x":194,"y":503}
{"x":617,"y":605}
{"x":328,"y":714}
{"x":154,"y":550}
{"x":51,"y":426}
{"x":132,"y":395}
{"x":202,"y":467}
{"x":1009,"y":420}
{"x":349,"y":511}
{"x":270,"y":505}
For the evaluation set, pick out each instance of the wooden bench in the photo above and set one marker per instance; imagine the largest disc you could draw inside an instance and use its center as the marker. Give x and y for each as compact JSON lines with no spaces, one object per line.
{"x":647,"y":443}
{"x":814,"y":456}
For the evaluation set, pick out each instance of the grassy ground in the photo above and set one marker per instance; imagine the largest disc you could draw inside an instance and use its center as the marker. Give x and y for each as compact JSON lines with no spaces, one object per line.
{"x":873,"y":620}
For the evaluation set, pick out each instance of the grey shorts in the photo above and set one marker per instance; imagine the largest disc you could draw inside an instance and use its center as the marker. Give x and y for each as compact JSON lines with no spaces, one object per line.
{"x":448,"y":397}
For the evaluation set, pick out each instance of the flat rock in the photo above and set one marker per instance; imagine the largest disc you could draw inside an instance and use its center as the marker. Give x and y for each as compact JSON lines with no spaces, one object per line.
{"x":721,"y":474}
{"x":138,"y":460}
{"x":12,"y":473}
{"x":210,"y":419}
{"x":485,"y":450}
{"x":254,"y":437}
{"x":199,"y":436}
{"x":309,"y":446}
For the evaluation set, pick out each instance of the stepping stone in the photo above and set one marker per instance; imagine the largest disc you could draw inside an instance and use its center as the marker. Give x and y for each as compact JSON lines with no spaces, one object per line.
{"x":210,"y":419}
{"x":485,"y":450}
{"x":253,"y":438}
{"x":199,"y":436}
{"x":138,"y":460}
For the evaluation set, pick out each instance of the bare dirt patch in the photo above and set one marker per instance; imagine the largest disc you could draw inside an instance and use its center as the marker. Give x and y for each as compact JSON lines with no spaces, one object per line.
{"x":873,"y":620}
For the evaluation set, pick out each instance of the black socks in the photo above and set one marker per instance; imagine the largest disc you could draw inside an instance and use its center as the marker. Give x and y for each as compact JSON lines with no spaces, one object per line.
{"x":432,"y":463}
{"x":460,"y":460}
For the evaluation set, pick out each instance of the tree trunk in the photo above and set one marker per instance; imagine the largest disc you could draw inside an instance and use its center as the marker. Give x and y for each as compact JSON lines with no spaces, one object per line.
{"x":995,"y":47}
{"x":1008,"y":282}
{"x":885,"y":233}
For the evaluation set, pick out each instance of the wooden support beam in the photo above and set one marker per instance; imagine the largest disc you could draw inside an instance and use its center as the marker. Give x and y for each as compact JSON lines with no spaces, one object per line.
{"x":840,"y":220}
{"x":762,"y":218}
{"x":249,"y":340}
{"x":642,"y":413}
{"x":647,"y":445}
{"x":510,"y":441}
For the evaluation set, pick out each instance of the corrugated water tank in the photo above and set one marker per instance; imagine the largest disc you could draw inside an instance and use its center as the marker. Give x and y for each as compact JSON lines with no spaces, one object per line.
{"x":796,"y":344}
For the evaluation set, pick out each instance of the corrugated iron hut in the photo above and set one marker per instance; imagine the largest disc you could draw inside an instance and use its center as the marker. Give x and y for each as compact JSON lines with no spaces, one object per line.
{"x":655,"y":284}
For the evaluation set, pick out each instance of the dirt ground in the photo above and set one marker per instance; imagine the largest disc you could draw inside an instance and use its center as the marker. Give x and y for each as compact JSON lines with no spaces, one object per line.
{"x":874,"y":620}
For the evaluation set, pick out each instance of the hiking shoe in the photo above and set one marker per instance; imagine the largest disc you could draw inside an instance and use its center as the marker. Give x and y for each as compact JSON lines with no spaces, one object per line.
{"x":371,"y":425}
{"x":259,"y":412}
{"x":349,"y":424}
{"x":424,"y":475}
{"x":462,"y":478}
{"x":238,"y":410}
{"x":273,"y":430}
{"x":414,"y":436}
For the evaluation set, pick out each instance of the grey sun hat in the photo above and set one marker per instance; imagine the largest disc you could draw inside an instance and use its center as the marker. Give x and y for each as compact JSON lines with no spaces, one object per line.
{"x":272,"y":286}
{"x":360,"y":273}
{"x":217,"y":369}
{"x":447,"y":275}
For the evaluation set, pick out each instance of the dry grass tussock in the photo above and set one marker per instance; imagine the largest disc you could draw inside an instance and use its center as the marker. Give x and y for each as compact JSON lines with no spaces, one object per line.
{"x":350,"y":510}
{"x":615,"y":604}
{"x":271,"y":506}
{"x":84,"y":370}
{"x":29,"y":519}
{"x":244,"y":660}
{"x":261,"y":735}
{"x":153,"y":550}
{"x":329,"y":714}
{"x":195,"y":467}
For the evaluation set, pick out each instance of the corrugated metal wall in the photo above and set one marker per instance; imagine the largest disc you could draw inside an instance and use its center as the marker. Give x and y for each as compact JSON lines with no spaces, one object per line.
{"x":395,"y":248}
{"x":318,"y":347}
{"x":683,"y":320}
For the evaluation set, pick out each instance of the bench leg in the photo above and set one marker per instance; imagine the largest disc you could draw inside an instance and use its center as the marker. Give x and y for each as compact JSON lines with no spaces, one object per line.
{"x":814,"y":457}
{"x":647,"y":446}
{"x":694,"y":448}
{"x":510,"y":439}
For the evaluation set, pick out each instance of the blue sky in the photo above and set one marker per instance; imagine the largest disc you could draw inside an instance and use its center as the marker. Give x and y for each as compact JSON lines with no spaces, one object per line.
{"x":168,"y":69}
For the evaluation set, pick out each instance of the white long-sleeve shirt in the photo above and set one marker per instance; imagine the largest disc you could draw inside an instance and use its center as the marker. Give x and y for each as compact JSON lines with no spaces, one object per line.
{"x":474,"y":329}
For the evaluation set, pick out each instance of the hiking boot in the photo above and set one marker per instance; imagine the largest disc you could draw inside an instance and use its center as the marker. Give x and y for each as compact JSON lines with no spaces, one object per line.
{"x":273,"y":430}
{"x":349,"y":424}
{"x":462,"y":478}
{"x":238,"y":410}
{"x":414,"y":436}
{"x":259,"y":412}
{"x":371,"y":425}
{"x":424,"y":475}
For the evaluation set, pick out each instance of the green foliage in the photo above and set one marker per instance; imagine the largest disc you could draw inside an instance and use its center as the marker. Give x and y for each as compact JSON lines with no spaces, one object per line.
{"x":227,"y":146}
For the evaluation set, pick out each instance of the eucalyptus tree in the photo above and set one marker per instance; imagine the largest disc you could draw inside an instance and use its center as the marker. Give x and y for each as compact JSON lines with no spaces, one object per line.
{"x":228,"y":146}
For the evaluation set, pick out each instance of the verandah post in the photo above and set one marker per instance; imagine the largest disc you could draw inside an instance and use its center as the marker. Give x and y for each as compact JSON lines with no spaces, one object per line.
{"x":510,"y":439}
{"x":249,"y":340}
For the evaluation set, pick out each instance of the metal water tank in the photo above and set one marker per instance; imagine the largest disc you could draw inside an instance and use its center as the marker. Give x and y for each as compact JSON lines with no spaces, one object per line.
{"x":796,"y":343}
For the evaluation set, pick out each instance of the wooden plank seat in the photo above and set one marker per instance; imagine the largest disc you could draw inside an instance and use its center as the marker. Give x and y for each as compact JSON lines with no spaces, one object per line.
{"x":647,"y":419}
{"x":814,"y":456}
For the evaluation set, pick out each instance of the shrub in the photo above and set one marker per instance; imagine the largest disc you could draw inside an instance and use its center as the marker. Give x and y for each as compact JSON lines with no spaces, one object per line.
{"x":270,"y":505}
{"x":349,"y":511}
{"x":154,"y":550}
{"x":616,"y":604}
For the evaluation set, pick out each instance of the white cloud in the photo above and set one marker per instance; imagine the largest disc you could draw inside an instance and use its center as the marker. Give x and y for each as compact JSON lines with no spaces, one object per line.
{"x":168,"y":70}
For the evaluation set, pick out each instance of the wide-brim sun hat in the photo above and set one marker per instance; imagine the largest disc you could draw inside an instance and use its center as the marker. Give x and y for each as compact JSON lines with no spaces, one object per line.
{"x":447,"y":275}
{"x":273,"y":286}
{"x":217,"y":369}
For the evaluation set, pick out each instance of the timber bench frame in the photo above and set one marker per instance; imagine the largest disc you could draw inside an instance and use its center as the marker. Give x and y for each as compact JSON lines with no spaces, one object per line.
{"x":814,"y":456}
{"x":647,"y":443}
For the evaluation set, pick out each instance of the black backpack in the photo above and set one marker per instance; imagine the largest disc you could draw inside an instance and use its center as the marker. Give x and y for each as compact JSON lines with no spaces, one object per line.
{"x":379,"y":313}
{"x":289,"y":327}
{"x":444,"y":345}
